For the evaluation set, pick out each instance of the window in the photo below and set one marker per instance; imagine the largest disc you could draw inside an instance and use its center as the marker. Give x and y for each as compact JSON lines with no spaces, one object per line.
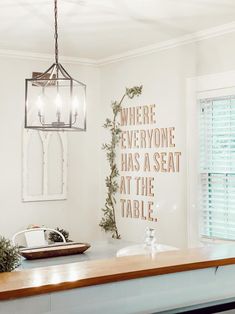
{"x":217,"y":167}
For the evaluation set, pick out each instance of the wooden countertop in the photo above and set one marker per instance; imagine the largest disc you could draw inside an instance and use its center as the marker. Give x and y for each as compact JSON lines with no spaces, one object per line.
{"x":75,"y":275}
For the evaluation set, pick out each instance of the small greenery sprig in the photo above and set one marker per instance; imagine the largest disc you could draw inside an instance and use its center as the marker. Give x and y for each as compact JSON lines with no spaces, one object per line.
{"x":9,"y":255}
{"x":55,"y":237}
{"x":108,"y":221}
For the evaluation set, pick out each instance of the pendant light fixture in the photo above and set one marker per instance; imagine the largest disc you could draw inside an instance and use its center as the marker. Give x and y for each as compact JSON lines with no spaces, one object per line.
{"x":54,"y":101}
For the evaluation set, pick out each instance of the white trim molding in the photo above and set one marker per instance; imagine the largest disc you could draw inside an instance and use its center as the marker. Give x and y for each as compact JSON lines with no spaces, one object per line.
{"x":25,"y":55}
{"x":164,"y":45}
{"x":172,"y":43}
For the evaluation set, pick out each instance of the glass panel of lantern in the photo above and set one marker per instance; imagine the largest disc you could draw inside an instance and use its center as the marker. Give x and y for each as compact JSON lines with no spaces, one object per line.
{"x":55,"y":104}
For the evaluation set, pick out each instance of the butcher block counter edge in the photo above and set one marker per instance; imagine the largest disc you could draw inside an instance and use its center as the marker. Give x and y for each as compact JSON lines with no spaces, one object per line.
{"x":50,"y":279}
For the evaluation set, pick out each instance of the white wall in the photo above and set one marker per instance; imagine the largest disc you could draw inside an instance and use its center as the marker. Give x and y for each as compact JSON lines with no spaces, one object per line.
{"x":78,"y":213}
{"x":85,"y":165}
{"x":163,"y":76}
{"x":216,"y":54}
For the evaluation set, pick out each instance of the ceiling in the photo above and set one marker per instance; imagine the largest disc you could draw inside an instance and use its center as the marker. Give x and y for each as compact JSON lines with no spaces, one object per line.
{"x":98,"y":29}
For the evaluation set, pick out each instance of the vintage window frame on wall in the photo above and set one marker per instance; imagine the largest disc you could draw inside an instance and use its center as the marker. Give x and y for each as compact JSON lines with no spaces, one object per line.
{"x":215,"y":85}
{"x":45,"y":138}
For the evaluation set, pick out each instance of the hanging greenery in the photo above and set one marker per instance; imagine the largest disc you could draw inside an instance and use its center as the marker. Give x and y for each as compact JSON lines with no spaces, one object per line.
{"x":108,"y":221}
{"x":9,"y":255}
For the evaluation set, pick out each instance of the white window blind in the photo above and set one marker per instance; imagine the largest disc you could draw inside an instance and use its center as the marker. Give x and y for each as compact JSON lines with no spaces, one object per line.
{"x":217,"y":167}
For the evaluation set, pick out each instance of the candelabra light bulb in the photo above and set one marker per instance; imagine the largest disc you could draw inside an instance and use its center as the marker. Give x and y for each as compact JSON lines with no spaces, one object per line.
{"x":58,"y":102}
{"x":75,"y":105}
{"x":40,"y":105}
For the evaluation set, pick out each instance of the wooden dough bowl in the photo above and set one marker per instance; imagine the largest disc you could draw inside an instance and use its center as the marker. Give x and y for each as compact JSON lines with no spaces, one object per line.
{"x":54,"y":250}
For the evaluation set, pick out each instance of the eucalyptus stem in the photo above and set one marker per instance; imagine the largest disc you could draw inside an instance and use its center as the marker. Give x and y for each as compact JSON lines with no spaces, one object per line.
{"x":108,"y":221}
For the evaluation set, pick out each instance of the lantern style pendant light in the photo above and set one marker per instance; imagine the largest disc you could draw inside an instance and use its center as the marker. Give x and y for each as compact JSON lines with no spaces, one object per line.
{"x":54,"y":101}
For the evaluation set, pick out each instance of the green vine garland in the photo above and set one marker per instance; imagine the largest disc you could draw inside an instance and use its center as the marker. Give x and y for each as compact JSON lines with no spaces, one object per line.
{"x":108,"y":221}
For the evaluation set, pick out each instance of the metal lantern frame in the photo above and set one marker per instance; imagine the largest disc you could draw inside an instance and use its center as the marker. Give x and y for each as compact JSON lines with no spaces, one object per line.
{"x":61,"y":75}
{"x":52,"y":77}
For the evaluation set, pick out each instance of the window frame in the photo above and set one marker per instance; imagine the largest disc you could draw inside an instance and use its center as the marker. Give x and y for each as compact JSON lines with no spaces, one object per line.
{"x":216,"y":85}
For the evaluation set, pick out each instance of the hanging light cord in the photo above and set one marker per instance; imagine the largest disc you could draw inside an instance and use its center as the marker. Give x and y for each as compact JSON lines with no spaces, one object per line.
{"x":56,"y":31}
